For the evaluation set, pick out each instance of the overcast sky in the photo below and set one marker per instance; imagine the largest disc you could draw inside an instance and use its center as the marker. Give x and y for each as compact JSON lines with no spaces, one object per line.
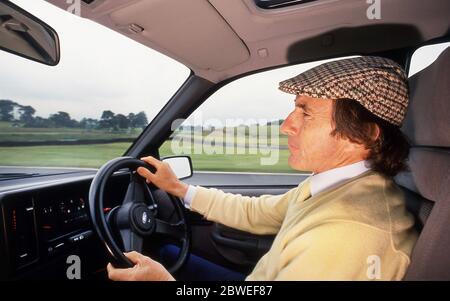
{"x":100,"y":69}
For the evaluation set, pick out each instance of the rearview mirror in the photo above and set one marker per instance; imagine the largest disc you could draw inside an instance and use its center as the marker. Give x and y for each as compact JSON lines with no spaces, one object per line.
{"x":23,"y":34}
{"x":181,"y":166}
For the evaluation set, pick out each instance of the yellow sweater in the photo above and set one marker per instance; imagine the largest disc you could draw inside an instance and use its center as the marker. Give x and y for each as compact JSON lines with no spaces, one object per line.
{"x":359,"y":230}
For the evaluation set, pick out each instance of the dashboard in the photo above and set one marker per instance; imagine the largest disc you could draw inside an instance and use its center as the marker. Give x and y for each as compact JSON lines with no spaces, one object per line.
{"x":45,"y":221}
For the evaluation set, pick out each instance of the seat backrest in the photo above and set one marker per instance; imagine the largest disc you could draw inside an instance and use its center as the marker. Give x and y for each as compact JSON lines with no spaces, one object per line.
{"x":427,"y":184}
{"x":419,"y":206}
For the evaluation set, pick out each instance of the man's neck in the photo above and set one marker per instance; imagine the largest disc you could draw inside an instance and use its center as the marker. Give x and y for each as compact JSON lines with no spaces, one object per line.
{"x":338,"y":164}
{"x":333,"y":177}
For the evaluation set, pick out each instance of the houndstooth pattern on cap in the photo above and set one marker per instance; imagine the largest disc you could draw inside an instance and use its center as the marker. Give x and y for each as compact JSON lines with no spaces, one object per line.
{"x":377,"y":83}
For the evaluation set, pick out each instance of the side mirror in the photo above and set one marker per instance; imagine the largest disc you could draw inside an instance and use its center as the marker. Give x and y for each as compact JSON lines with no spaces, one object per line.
{"x":23,"y":34}
{"x":181,"y":166}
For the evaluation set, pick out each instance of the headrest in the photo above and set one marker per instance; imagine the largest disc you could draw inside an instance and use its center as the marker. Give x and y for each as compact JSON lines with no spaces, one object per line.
{"x":427,"y":121}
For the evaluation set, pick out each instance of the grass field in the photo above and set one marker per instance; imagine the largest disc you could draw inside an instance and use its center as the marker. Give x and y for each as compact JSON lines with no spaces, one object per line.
{"x":96,"y":154}
{"x":61,"y":156}
{"x":17,"y":134}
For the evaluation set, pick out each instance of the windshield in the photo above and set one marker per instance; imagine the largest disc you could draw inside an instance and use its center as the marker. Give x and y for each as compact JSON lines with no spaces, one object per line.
{"x":90,"y":107}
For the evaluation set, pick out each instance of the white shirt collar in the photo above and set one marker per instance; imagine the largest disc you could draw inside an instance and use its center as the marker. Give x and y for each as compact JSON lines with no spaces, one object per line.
{"x":327,"y":179}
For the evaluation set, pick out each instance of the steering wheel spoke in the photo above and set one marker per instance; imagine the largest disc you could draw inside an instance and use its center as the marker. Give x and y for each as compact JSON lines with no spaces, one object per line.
{"x":131,"y":240}
{"x":136,"y":193}
{"x":175,"y":230}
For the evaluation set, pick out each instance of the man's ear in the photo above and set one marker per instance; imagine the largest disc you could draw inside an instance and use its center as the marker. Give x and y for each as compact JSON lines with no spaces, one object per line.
{"x":375,"y":132}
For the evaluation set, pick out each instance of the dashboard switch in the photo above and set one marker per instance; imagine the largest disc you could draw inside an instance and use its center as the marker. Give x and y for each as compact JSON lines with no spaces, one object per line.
{"x":80,"y":237}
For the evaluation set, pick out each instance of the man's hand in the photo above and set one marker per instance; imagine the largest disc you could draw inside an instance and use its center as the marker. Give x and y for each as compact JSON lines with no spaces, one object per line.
{"x":145,"y":269}
{"x":164,"y":177}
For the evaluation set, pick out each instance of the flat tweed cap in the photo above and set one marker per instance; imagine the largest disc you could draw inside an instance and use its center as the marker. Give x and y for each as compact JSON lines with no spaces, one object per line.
{"x":377,"y":83}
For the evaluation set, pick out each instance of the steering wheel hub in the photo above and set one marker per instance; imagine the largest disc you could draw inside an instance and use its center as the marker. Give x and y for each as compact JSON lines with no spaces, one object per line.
{"x":143,"y":219}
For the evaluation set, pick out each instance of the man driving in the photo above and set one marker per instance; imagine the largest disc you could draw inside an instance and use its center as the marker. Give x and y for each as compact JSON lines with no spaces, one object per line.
{"x":348,"y":220}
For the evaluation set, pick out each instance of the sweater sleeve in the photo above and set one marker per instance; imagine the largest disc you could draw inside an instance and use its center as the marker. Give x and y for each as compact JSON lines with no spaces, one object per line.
{"x":342,"y":251}
{"x":258,"y":215}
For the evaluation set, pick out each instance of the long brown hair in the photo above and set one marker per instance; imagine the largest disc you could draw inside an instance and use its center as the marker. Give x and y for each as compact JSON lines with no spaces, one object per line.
{"x":388,"y":153}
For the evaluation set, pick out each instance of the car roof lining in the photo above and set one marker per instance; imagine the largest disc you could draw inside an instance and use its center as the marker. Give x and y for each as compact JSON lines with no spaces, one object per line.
{"x":200,"y":46}
{"x":220,"y":39}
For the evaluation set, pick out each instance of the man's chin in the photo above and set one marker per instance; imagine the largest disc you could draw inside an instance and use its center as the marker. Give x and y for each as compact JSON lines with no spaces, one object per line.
{"x":295,"y":163}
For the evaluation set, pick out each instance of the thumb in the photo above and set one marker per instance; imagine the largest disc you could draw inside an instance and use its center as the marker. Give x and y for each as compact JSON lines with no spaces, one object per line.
{"x":134,"y":256}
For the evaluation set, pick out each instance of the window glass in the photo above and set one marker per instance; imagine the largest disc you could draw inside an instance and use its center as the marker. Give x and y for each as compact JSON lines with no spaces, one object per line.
{"x":90,"y":107}
{"x":425,"y":56}
{"x":238,"y":127}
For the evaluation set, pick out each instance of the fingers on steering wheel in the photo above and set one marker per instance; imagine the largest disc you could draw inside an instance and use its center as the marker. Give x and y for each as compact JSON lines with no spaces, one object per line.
{"x":145,"y":173}
{"x":152,"y":161}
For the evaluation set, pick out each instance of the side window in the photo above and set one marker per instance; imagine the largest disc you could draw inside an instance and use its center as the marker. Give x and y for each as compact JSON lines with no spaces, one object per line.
{"x":425,"y":56}
{"x":238,"y":128}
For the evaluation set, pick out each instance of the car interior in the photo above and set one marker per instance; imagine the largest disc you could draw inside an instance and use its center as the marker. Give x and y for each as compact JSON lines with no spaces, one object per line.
{"x":47,"y":218}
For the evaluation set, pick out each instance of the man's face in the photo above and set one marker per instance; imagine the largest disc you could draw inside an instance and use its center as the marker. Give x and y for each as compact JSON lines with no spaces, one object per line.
{"x":310,"y":142}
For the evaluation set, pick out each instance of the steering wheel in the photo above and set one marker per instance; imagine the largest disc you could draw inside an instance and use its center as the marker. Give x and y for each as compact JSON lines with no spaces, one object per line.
{"x":136,"y":218}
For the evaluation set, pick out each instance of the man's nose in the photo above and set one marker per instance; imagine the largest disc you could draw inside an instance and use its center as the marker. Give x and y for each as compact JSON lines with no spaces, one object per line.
{"x":288,"y":126}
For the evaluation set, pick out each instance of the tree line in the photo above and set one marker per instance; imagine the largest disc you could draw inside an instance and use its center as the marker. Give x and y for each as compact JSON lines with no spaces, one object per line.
{"x":13,"y":112}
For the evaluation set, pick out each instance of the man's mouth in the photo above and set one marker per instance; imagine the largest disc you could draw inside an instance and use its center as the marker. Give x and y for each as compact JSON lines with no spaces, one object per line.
{"x":292,"y":147}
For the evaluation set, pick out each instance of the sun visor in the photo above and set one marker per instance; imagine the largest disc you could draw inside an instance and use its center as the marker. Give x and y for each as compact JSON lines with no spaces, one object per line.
{"x":215,"y":46}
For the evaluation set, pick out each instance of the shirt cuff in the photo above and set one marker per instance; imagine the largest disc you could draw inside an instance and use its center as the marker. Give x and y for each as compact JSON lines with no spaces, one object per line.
{"x":190,"y":194}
